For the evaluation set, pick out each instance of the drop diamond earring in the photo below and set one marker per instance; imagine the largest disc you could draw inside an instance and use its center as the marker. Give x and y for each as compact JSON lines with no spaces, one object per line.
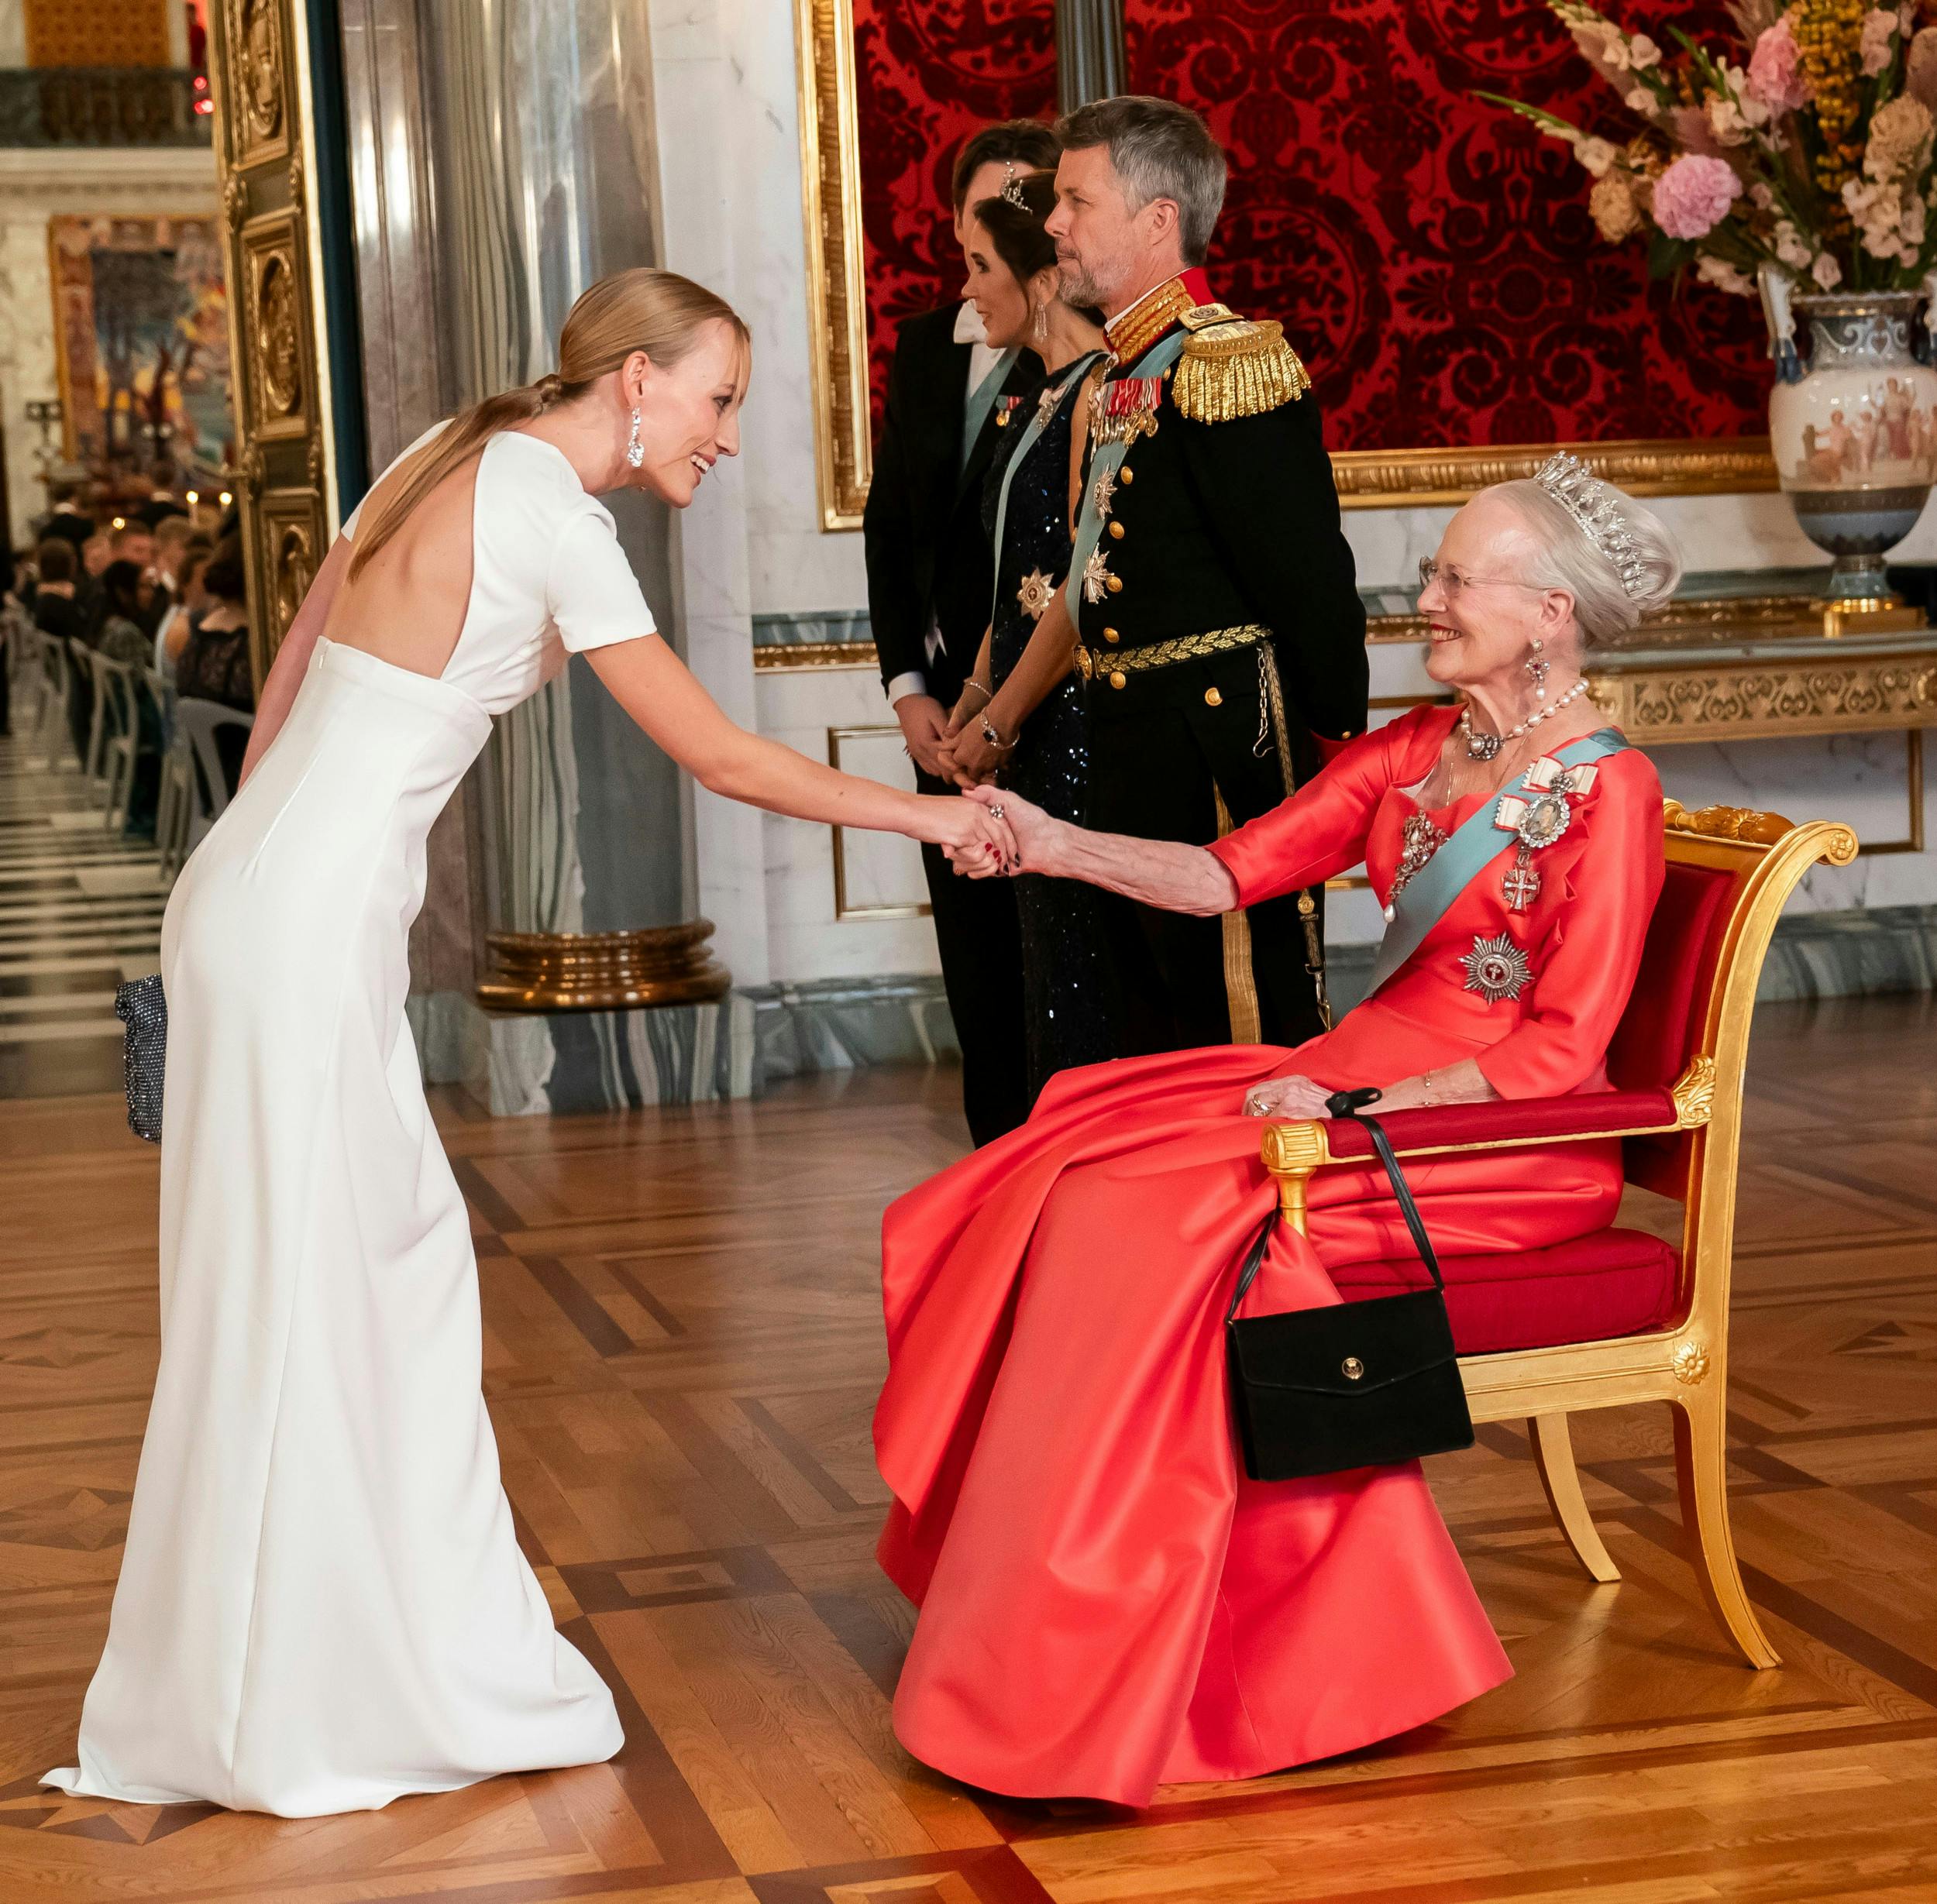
{"x":634,"y":449}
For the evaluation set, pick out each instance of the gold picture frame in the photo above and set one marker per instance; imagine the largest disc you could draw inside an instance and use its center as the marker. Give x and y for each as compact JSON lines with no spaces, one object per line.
{"x":844,"y":912}
{"x":837,"y":298}
{"x":836,"y":319}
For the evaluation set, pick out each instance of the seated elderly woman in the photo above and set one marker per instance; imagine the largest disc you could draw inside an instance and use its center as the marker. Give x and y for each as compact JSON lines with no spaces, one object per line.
{"x":1107,"y":1602}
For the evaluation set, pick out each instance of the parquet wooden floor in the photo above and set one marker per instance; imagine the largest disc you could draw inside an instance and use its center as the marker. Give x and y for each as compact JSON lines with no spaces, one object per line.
{"x":683,"y":1347}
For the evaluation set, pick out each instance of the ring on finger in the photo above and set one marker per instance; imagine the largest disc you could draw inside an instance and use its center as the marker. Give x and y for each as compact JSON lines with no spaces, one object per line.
{"x":995,"y":810}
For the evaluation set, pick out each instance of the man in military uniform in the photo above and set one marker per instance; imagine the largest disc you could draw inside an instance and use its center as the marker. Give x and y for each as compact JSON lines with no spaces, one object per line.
{"x":1220,"y":634}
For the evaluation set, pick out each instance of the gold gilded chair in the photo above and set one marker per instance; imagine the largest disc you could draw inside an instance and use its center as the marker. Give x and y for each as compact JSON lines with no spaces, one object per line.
{"x":1619,"y":1316}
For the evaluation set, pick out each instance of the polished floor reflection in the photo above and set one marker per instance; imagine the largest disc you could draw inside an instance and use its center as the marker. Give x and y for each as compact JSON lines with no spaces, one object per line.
{"x":80,"y":909}
{"x":682,"y":1345}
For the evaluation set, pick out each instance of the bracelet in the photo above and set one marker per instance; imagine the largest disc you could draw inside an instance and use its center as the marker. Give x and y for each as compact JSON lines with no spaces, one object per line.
{"x":987,"y":694}
{"x":994,"y":739}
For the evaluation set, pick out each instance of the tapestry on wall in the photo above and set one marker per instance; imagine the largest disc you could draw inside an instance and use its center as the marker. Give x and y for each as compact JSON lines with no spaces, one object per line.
{"x":1433,"y":259}
{"x":142,"y":326}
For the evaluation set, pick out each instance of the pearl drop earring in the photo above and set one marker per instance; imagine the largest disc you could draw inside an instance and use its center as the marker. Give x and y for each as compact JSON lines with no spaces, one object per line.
{"x":1536,"y":670}
{"x":634,"y":449}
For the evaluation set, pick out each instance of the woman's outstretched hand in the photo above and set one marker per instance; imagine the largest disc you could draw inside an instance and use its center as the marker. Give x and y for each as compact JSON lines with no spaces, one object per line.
{"x":1287,"y":1097}
{"x":1029,"y":829}
{"x":975,"y":840}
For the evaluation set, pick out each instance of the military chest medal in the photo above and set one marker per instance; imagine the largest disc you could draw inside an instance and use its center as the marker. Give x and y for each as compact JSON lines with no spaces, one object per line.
{"x":1537,"y":816}
{"x":1125,"y":408}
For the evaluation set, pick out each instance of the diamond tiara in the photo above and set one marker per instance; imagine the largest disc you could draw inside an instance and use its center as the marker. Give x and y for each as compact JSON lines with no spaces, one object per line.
{"x":1012,"y":186}
{"x":1592,"y":504}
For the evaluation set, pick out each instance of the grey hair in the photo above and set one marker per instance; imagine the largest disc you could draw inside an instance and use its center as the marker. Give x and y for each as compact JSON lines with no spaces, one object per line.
{"x":1160,"y":150}
{"x":1570,"y":559}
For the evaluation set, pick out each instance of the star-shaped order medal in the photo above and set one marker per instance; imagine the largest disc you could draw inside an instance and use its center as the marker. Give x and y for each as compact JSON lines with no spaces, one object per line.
{"x":1095,"y":576}
{"x":1497,"y":969}
{"x":1104,"y":490}
{"x":1035,"y":593}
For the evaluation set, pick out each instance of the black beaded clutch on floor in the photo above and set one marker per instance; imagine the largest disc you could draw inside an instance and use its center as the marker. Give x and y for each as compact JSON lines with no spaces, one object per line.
{"x":143,"y":1008}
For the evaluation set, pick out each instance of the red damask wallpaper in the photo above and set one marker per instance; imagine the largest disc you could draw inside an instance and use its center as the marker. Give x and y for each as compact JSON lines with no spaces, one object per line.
{"x":1431,"y":258}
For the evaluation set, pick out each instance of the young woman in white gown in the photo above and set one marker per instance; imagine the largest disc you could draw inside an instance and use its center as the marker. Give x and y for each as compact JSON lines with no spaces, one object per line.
{"x":322,"y":1603}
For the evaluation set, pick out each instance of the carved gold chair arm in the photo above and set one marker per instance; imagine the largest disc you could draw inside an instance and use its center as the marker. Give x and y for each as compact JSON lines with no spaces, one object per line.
{"x":1294,"y":1153}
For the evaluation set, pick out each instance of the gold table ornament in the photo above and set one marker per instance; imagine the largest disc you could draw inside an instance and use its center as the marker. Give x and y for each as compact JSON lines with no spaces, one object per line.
{"x":595,"y":972}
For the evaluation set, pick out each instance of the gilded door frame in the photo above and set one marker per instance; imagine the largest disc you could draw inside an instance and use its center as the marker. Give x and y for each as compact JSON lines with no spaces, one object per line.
{"x":265,"y":155}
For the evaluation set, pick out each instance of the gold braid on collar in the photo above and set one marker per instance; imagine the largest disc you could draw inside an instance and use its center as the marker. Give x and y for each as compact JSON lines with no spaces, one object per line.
{"x":1135,"y":330}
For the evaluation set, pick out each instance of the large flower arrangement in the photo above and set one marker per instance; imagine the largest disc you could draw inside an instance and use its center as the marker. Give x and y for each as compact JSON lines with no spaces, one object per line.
{"x":1805,"y":148}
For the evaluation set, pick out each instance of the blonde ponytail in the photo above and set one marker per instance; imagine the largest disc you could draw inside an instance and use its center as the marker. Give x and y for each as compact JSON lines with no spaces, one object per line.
{"x":658,"y":312}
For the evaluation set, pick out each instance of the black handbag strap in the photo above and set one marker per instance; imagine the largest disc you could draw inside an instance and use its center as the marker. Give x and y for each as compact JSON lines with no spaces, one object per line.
{"x":1402,"y":1194}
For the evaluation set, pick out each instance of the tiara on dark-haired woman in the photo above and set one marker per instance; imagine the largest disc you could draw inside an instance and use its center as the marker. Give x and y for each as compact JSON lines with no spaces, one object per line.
{"x":1012,"y":186}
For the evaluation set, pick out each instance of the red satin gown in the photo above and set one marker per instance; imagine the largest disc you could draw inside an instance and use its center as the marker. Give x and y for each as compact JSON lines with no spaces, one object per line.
{"x":1107,"y":1604}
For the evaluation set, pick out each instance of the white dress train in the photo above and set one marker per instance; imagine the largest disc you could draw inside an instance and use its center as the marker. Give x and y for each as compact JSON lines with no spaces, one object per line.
{"x":322,"y":1604}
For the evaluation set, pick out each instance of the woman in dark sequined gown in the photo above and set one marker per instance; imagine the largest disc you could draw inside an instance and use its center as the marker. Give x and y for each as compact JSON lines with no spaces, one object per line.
{"x":1020,"y":717}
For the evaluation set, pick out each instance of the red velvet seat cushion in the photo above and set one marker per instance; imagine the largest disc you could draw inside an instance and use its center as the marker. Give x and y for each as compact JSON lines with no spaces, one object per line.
{"x":1616,"y":1282}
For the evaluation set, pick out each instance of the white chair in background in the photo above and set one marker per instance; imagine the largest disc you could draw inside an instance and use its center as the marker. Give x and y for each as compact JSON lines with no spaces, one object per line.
{"x":117,"y":685}
{"x":50,"y":735}
{"x":197,"y":723}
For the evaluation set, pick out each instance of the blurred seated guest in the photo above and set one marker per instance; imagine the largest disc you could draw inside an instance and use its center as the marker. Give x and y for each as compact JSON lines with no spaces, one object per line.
{"x":60,"y":610}
{"x":214,"y":662}
{"x":55,"y":564}
{"x":163,"y":504}
{"x":172,"y":537}
{"x":69,"y":522}
{"x":1108,"y":1602}
{"x":190,"y":603}
{"x":122,"y":638}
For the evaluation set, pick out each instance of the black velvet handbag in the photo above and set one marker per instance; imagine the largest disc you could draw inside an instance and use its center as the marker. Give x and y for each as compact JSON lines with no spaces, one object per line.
{"x":1359,"y":1385}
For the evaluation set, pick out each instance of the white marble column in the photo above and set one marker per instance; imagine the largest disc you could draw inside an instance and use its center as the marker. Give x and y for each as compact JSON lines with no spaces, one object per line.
{"x":701,"y":117}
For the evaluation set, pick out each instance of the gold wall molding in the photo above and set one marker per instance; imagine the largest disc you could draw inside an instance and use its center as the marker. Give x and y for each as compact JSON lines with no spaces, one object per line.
{"x":1376,"y":479}
{"x":844,"y":912}
{"x":1754,"y":701}
{"x":786,"y":657}
{"x":837,"y":299}
{"x":259,"y":74}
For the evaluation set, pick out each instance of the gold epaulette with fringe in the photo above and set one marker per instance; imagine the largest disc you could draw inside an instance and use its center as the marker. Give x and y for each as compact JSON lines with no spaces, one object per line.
{"x":1232,"y":367}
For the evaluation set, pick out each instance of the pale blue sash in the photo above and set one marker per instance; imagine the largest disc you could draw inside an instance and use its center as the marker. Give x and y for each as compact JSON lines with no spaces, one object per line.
{"x":981,"y":400}
{"x":1109,"y":456}
{"x":1465,"y":856}
{"x":1037,"y":424}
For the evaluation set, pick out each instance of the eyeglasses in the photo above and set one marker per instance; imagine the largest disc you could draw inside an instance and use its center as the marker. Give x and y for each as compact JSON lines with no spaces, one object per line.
{"x":1452,"y":581}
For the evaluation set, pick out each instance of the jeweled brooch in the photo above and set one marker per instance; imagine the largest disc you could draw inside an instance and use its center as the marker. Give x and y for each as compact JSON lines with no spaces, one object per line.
{"x":1537,"y":816}
{"x":1035,"y":593}
{"x":1497,"y":969}
{"x":1104,"y":490}
{"x":1419,"y":842}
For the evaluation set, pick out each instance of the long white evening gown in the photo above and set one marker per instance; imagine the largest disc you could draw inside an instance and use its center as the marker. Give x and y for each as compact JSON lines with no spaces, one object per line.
{"x":322,"y":1604}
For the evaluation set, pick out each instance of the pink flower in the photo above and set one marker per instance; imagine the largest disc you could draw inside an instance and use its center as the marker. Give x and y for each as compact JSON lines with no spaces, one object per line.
{"x":1692,"y":196}
{"x":1775,"y":69}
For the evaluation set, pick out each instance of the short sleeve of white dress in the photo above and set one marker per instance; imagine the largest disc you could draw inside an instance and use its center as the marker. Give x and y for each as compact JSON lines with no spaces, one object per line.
{"x":592,"y":593}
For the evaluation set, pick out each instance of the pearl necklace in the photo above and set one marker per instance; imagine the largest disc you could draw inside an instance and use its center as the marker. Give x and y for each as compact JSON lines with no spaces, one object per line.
{"x":1484,"y":747}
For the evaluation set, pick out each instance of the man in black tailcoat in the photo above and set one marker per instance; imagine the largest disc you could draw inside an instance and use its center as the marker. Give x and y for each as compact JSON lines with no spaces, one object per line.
{"x":1221,"y":638}
{"x":930,"y":572}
